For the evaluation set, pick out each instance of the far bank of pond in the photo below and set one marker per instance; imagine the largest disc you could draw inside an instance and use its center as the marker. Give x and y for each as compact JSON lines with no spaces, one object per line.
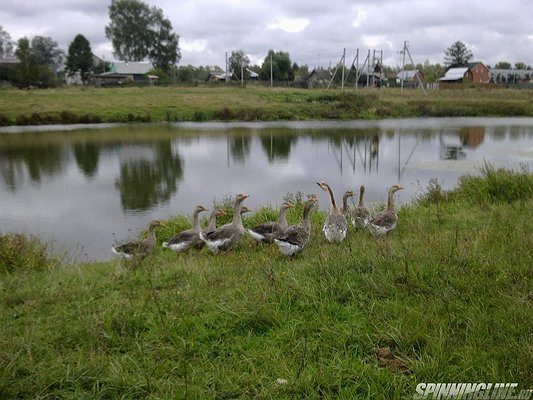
{"x":157,"y":104}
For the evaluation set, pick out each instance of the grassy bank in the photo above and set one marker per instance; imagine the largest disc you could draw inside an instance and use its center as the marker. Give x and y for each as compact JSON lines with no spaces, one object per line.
{"x":450,"y":292}
{"x":157,"y":104}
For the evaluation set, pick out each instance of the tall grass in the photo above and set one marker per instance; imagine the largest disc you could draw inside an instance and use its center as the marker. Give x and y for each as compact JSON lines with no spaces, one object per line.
{"x":449,"y":292}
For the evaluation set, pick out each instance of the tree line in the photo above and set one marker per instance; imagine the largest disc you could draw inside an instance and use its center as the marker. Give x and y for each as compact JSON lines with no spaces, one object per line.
{"x":139,"y":32}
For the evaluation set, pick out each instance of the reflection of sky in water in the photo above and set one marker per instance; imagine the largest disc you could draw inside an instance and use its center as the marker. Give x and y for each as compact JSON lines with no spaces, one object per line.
{"x":79,"y":187}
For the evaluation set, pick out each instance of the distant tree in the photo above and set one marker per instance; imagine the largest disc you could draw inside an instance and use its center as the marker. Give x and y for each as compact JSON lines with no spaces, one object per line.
{"x":503,"y":65}
{"x":432,"y":72}
{"x":138,"y":32}
{"x":162,"y":75}
{"x":101,"y":67}
{"x":164,"y":50}
{"x":185,"y":73}
{"x":238,"y":62}
{"x":521,"y":65}
{"x":281,"y":66}
{"x":6,"y":44}
{"x":457,"y":55}
{"x":80,"y":58}
{"x":47,"y":52}
{"x":32,"y":69}
{"x":300,"y":70}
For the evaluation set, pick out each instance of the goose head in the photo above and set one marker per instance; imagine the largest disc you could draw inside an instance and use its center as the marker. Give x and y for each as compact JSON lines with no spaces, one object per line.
{"x":155,"y":224}
{"x":200,"y":209}
{"x":348,"y":193}
{"x":241,"y":197}
{"x":394,"y":188}
{"x":323,"y":185}
{"x":286,"y":205}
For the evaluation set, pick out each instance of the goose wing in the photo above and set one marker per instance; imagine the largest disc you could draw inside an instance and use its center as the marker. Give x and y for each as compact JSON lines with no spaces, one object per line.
{"x":384,"y":219}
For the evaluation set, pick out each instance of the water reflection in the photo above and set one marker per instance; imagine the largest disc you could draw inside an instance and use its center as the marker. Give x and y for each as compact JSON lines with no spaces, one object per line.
{"x":38,"y":160}
{"x":149,"y":175}
{"x":239,"y":147}
{"x":87,"y":155}
{"x":111,"y":180}
{"x":277,"y":147}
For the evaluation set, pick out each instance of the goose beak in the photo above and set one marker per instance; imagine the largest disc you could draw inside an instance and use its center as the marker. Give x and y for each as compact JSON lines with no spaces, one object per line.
{"x":245,"y":195}
{"x":290,"y":205}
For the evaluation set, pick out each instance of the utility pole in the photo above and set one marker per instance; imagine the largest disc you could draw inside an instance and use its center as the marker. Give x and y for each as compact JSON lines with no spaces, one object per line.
{"x":242,"y":73}
{"x":227,"y":83}
{"x":368,"y":69}
{"x":412,"y":62}
{"x":403,"y":65}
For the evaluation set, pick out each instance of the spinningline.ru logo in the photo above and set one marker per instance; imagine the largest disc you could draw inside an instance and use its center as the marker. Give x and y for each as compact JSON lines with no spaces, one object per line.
{"x":493,"y":391}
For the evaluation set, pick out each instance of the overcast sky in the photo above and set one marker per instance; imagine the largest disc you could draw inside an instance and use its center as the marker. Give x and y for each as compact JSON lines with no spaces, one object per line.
{"x":312,"y":31}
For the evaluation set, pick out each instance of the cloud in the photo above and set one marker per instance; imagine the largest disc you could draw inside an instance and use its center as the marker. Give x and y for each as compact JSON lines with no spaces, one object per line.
{"x":291,"y":25}
{"x":311,"y":32}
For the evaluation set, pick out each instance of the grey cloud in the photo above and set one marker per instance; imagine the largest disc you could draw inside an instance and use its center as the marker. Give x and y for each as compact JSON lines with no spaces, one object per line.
{"x":494,"y":31}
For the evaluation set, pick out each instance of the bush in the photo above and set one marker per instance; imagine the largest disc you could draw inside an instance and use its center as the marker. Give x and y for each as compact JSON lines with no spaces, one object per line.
{"x":497,"y":185}
{"x":20,"y":252}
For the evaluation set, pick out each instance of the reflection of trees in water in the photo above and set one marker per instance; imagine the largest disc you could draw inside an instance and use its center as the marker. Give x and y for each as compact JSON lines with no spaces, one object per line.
{"x":239,"y":147}
{"x":277,"y":146}
{"x":145,"y":183}
{"x":87,"y":155}
{"x":40,"y":161}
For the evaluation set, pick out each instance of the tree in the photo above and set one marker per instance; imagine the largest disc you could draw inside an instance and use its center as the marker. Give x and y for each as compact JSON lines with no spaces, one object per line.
{"x":238,"y":61}
{"x":6,"y":44}
{"x":32,"y":70}
{"x":281,"y":66}
{"x":138,"y":32}
{"x":80,"y":58}
{"x":164,"y":51}
{"x":503,"y":65}
{"x":457,"y":55}
{"x":47,"y":52}
{"x":521,"y":65}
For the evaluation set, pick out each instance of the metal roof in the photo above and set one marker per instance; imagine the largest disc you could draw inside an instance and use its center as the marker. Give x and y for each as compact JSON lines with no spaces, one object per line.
{"x":132,"y":67}
{"x":454,"y":74}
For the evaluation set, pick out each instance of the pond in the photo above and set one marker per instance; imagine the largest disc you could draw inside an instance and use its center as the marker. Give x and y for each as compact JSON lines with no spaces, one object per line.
{"x":77,"y":187}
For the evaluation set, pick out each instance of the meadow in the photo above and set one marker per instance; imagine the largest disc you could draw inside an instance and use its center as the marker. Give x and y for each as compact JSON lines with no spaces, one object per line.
{"x":446,"y":297}
{"x":70,"y":105}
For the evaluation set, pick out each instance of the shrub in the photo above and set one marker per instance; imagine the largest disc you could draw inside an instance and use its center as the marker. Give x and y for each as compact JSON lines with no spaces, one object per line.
{"x":497,"y":185}
{"x":20,"y":252}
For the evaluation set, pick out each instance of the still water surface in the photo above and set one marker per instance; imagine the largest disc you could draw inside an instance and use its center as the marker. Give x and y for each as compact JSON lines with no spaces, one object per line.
{"x":78,"y":186}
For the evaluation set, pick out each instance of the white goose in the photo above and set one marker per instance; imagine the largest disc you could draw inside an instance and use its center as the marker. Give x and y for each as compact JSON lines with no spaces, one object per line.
{"x":335,"y":226}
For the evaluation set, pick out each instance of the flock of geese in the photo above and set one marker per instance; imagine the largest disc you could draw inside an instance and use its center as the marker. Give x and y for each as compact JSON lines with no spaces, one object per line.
{"x":291,"y":239}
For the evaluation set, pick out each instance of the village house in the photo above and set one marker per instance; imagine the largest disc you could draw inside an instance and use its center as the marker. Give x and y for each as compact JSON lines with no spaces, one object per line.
{"x":122,"y":72}
{"x":475,"y":72}
{"x":411,"y":78}
{"x":319,"y":78}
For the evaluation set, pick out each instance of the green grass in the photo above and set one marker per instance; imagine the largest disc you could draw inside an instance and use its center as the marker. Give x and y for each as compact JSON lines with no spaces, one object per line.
{"x":157,"y":104}
{"x":450,"y":291}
